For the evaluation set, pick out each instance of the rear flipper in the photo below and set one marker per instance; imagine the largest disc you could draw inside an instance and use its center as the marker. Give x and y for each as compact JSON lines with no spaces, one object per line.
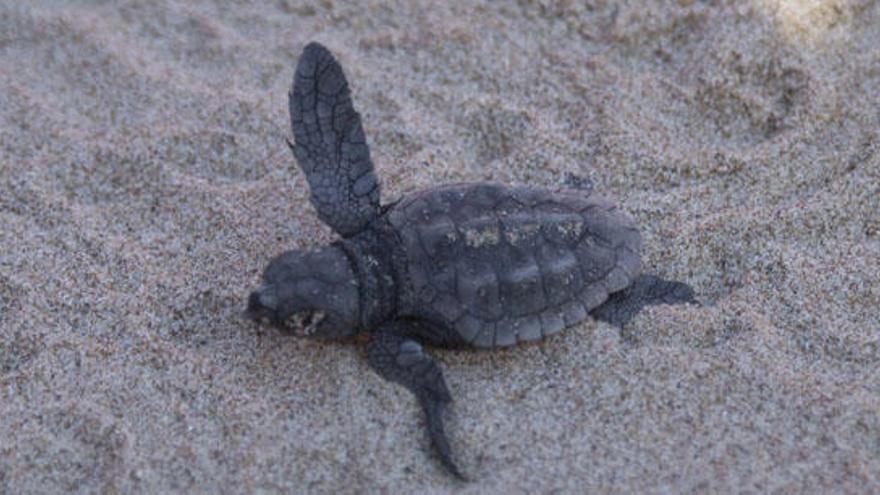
{"x":399,"y":359}
{"x":645,"y":290}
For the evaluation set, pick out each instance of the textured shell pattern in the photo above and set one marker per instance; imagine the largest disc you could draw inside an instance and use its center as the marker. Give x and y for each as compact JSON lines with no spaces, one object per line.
{"x":502,"y":265}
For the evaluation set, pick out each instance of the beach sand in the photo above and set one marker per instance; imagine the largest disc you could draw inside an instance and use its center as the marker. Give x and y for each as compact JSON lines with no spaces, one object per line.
{"x":145,"y":182}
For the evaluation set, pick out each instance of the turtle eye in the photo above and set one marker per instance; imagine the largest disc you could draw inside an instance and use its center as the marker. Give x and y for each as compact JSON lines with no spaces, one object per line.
{"x":305,"y":323}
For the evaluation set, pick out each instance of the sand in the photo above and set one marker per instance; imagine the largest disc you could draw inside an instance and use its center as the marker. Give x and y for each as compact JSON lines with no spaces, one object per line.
{"x":145,"y":183}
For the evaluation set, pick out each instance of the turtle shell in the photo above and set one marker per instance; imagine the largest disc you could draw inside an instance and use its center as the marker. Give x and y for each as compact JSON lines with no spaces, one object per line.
{"x":500,"y":265}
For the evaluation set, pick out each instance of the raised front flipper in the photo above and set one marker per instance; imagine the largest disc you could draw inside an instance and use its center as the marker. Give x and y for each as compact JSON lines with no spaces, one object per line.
{"x":400,"y":359}
{"x":645,"y":290}
{"x":330,"y":145}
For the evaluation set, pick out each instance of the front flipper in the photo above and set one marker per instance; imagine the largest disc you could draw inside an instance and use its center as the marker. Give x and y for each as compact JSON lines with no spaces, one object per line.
{"x":645,"y":290}
{"x":400,"y":359}
{"x":330,"y":145}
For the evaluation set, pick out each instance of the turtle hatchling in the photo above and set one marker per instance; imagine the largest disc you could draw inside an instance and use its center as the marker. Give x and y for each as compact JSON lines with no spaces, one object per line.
{"x":477,"y":265}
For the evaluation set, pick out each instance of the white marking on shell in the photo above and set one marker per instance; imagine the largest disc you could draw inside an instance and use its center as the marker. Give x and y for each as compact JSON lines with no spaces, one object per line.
{"x":479,"y":237}
{"x":571,"y":228}
{"x":522,"y":231}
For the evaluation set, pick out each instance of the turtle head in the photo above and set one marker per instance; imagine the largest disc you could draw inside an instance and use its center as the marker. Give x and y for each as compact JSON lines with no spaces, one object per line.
{"x":308,"y":294}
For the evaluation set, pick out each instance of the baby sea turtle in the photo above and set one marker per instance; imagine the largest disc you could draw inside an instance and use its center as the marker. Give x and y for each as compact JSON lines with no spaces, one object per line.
{"x":464,"y":265}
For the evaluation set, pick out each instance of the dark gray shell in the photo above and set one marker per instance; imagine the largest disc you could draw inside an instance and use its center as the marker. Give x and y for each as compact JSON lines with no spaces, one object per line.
{"x":502,"y":265}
